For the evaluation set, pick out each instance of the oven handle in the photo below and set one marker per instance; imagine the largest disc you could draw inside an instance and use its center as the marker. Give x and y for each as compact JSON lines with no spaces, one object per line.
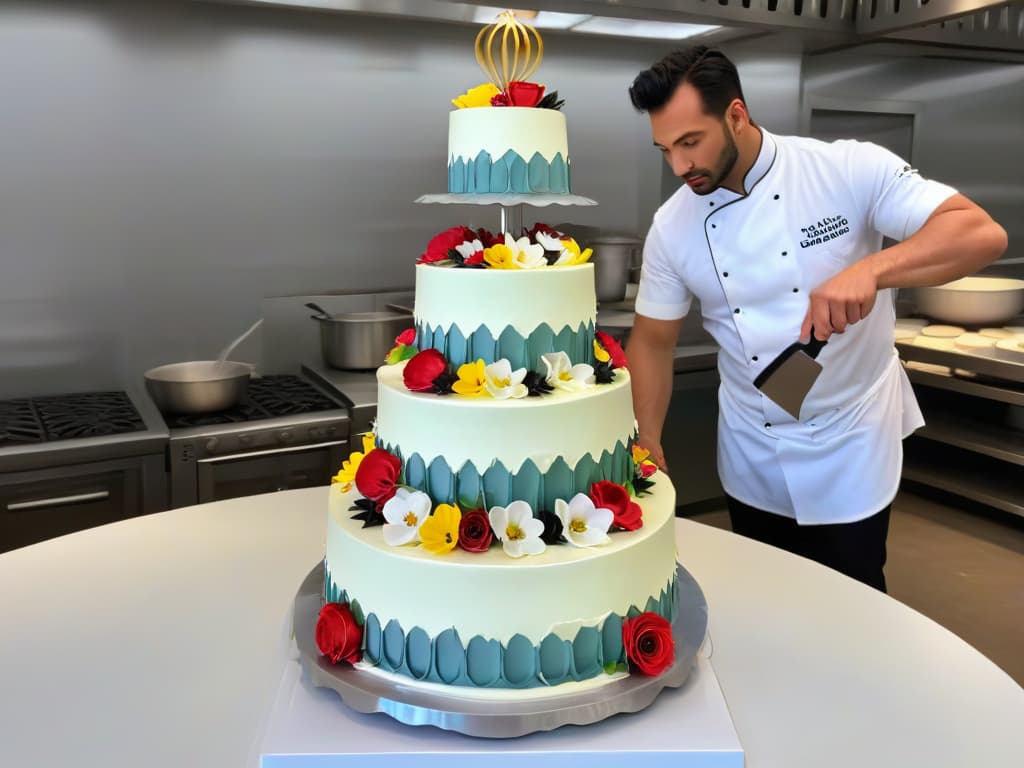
{"x":272,"y":451}
{"x":58,"y":501}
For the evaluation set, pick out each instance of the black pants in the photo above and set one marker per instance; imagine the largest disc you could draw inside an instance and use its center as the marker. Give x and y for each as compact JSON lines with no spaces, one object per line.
{"x":856,"y":549}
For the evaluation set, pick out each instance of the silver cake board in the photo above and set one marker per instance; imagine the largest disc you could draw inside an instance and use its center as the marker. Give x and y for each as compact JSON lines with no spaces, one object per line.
{"x":309,"y":727}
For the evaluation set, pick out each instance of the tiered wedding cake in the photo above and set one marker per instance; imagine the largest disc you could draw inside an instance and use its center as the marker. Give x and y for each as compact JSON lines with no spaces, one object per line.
{"x":499,"y":531}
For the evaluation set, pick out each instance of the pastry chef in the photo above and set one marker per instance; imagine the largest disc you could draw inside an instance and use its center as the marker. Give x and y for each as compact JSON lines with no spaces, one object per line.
{"x":780,"y":237}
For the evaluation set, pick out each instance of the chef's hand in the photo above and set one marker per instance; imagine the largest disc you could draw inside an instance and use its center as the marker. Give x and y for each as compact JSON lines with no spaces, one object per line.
{"x":657,"y":454}
{"x":843,"y":300}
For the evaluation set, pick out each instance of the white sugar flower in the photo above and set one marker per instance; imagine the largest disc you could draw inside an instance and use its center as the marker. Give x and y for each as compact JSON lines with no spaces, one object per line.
{"x":405,"y":513}
{"x":517,"y":529}
{"x":526,"y":255}
{"x":469,"y":247}
{"x":583,"y":524}
{"x":502,"y":382}
{"x":562,"y":374}
{"x":549,"y":242}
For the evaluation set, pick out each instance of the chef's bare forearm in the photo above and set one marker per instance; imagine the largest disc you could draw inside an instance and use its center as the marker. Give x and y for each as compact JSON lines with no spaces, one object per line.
{"x":958,"y":239}
{"x":650,"y":354}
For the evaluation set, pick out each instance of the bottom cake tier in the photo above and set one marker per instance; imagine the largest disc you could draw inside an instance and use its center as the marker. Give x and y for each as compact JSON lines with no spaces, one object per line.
{"x":487,"y":620}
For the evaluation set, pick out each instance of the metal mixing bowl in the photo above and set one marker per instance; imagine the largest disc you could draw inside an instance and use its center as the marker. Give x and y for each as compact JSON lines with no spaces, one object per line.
{"x":974,"y":300}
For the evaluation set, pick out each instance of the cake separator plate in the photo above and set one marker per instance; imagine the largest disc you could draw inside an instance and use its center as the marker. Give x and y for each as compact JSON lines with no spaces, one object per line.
{"x":368,"y":692}
{"x":506,"y":199}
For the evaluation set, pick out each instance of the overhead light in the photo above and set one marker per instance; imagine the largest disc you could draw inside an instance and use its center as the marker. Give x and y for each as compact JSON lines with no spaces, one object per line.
{"x":486,"y":14}
{"x":662,"y":30}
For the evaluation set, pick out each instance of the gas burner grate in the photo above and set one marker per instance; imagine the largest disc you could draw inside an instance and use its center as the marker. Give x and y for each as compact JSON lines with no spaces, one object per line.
{"x":63,"y":417}
{"x":91,"y":414}
{"x":19,"y":424}
{"x":268,"y":397}
{"x":286,"y":395}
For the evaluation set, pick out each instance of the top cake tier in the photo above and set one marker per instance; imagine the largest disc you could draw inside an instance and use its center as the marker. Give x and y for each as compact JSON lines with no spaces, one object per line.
{"x":521,"y":150}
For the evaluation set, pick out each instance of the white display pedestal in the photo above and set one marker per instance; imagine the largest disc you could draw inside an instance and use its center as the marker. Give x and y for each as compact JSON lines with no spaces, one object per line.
{"x":687,"y":727}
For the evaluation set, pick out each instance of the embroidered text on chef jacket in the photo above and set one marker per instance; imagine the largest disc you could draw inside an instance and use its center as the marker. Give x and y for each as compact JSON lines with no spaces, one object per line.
{"x":811,"y":210}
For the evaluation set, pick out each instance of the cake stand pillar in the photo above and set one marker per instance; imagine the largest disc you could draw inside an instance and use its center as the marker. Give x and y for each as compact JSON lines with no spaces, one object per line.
{"x":512,"y":219}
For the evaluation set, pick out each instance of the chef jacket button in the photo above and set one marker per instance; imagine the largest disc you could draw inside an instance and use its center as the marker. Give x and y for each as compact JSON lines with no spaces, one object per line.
{"x":736,"y":311}
{"x":796,"y":290}
{"x":713,"y":226}
{"x":784,"y":253}
{"x":767,"y":425}
{"x":712,"y":203}
{"x":754,"y":358}
{"x":776,"y":197}
{"x":725,"y":274}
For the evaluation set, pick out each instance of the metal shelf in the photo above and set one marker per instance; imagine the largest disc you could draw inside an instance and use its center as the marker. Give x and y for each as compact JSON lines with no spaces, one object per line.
{"x":997,"y":363}
{"x":989,"y":390}
{"x":978,"y":437}
{"x":1001,"y":490}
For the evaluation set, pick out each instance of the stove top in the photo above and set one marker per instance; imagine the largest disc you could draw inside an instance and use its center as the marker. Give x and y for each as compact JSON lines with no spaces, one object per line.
{"x":35,"y":420}
{"x":268,"y":397}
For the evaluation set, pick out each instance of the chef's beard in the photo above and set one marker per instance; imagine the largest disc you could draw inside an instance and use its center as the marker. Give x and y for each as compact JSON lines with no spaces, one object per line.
{"x":726,"y":162}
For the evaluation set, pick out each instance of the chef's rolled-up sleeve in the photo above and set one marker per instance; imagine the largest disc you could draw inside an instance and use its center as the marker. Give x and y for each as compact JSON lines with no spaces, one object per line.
{"x":897,"y":199}
{"x":662,"y":294}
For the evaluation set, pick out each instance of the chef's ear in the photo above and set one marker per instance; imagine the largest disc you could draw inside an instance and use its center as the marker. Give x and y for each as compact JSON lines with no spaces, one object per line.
{"x":736,"y":115}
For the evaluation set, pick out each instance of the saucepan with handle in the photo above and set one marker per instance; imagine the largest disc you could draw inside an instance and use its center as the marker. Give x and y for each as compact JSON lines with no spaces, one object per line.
{"x":201,"y":386}
{"x":359,"y":340}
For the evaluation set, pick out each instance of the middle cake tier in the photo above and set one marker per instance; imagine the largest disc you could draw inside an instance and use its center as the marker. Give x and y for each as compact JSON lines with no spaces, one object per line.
{"x":536,"y":449}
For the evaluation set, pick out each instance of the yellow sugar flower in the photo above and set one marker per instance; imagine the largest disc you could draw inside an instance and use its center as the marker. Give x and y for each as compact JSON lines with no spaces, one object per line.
{"x":477,"y":97}
{"x":472,"y":378}
{"x":571,"y":254}
{"x":440,"y":532}
{"x":601,"y":353}
{"x":500,"y":256}
{"x":640,"y":454}
{"x":347,"y":474}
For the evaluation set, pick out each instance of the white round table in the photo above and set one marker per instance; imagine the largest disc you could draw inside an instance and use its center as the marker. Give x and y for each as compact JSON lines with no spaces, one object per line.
{"x":158,"y":642}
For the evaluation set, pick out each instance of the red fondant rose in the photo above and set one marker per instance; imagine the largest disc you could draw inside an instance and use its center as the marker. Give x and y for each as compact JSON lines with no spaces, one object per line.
{"x":422,"y":369}
{"x":378,"y":475}
{"x":648,"y":642}
{"x":627,"y":514}
{"x":475,"y":531}
{"x":440,"y":245}
{"x":338,"y":635}
{"x":549,"y":231}
{"x":500,"y":100}
{"x":406,"y":337}
{"x":523,"y":94}
{"x":647,"y":469}
{"x":488,"y":238}
{"x":612,"y":347}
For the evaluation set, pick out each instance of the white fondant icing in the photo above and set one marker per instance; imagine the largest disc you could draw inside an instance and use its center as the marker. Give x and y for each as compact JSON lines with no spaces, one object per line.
{"x":524,"y":130}
{"x":502,"y":298}
{"x":482,"y":430}
{"x":492,"y":595}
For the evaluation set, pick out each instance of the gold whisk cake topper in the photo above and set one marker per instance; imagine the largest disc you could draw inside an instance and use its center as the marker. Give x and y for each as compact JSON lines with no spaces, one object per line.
{"x":513,"y":45}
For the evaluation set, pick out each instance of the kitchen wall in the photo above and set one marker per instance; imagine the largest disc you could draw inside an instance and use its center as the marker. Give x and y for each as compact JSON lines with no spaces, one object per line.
{"x":166,"y":165}
{"x":971,"y":113}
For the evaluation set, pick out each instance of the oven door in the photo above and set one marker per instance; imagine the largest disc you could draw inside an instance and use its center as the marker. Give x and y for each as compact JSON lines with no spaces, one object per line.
{"x":40,"y":504}
{"x":280,"y":469}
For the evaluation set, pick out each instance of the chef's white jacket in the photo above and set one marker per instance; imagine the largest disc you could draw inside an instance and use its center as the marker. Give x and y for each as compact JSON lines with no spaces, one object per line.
{"x":811,"y":210}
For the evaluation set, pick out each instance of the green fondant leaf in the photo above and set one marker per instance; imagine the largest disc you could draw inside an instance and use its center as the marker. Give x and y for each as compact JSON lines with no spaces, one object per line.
{"x":609,"y":667}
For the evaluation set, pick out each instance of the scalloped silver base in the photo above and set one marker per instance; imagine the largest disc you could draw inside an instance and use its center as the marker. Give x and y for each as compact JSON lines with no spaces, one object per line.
{"x":496,"y":718}
{"x":505,"y":199}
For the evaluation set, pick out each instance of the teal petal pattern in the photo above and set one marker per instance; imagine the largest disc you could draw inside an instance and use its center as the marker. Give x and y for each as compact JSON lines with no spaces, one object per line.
{"x":486,"y":663}
{"x":458,"y":347}
{"x":509,"y":173}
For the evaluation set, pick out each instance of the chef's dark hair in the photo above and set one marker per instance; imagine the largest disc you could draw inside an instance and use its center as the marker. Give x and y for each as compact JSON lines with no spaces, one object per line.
{"x":706,"y":69}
